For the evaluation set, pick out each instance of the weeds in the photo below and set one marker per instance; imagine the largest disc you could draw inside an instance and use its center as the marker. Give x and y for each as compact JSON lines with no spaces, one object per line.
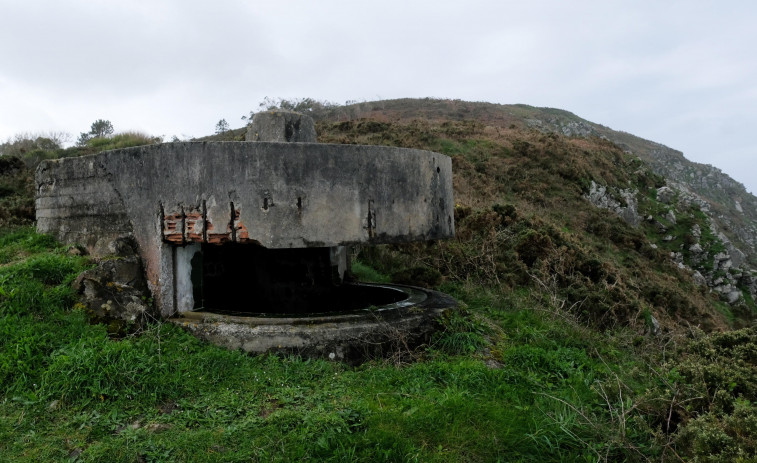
{"x":506,"y":379}
{"x":520,"y":374}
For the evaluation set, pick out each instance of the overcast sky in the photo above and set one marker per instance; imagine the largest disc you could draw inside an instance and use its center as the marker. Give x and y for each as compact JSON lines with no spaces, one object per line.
{"x":682,"y":73}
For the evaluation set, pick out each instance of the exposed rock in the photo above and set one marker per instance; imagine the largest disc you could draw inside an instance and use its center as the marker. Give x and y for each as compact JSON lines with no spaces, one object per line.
{"x":749,"y":282}
{"x":735,"y":254}
{"x":567,"y":127}
{"x":654,"y":326}
{"x":733,"y":296}
{"x":665,"y":195}
{"x":76,"y":251}
{"x":696,"y":248}
{"x":600,"y":197}
{"x":729,"y":292}
{"x":671,"y":217}
{"x":696,"y":232}
{"x":722,"y":261}
{"x":698,"y":279}
{"x":688,"y":199}
{"x":115,"y":290}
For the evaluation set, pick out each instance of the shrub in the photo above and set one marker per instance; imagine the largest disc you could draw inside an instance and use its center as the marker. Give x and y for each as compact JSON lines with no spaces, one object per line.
{"x":426,"y":277}
{"x":533,"y":245}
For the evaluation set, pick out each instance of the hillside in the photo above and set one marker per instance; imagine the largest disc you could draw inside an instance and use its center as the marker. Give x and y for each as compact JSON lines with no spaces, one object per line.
{"x":603,"y":319}
{"x":727,"y":213}
{"x":734,"y":210}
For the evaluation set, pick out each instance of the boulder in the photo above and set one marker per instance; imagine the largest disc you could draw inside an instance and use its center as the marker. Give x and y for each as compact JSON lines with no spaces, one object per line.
{"x":698,"y":278}
{"x":696,"y":232}
{"x":671,"y":217}
{"x":600,"y":197}
{"x":733,"y":297}
{"x":665,"y":195}
{"x":115,"y":291}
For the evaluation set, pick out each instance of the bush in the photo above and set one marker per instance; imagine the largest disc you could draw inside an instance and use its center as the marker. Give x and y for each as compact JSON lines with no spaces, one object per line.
{"x":533,"y":245}
{"x":426,"y":277}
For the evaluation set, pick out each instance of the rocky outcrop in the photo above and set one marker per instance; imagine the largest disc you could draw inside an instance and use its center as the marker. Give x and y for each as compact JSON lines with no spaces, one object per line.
{"x":626,"y":206}
{"x":115,"y":291}
{"x":665,"y":195}
{"x":566,"y":126}
{"x":710,"y":258}
{"x":732,"y":209}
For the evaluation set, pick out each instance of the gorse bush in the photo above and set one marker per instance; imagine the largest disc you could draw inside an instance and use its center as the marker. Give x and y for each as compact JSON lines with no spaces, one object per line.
{"x":719,"y":410}
{"x":522,"y":219}
{"x":16,"y":192}
{"x":519,"y":373}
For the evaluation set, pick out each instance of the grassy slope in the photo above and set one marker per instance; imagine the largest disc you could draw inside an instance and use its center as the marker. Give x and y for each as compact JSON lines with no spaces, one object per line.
{"x":718,"y":189}
{"x":503,"y":383}
{"x":517,"y":376}
{"x":522,"y":220}
{"x":511,"y":379}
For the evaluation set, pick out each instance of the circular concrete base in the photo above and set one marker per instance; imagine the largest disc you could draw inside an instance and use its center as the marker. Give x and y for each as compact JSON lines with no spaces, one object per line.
{"x":349,"y":336}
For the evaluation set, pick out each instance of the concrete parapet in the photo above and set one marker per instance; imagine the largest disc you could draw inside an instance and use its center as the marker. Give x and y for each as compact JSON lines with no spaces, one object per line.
{"x":276,"y":195}
{"x":281,"y":126}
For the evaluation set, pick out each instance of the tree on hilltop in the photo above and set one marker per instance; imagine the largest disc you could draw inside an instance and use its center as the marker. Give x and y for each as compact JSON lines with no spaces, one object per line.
{"x":222,"y":126}
{"x":99,"y":129}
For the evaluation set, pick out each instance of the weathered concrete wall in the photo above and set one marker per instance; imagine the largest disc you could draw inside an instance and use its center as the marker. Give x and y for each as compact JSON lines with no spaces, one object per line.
{"x":280,"y":195}
{"x":78,"y":203}
{"x":281,"y":126}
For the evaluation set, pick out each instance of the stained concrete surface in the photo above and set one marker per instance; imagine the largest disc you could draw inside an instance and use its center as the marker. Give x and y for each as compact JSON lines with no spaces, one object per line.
{"x":277,"y":195}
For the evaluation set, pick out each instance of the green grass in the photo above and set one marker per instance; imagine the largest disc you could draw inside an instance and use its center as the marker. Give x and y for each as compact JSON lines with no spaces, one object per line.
{"x":509,"y":378}
{"x":121,"y":140}
{"x":501,"y":382}
{"x":368,"y":274}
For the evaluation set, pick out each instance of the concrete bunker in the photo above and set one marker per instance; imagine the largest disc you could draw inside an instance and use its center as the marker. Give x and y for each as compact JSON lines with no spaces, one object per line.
{"x":246,"y":244}
{"x":250,"y":280}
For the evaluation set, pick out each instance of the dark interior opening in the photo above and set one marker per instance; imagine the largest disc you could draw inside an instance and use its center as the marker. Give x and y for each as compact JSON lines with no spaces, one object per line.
{"x":247,"y":279}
